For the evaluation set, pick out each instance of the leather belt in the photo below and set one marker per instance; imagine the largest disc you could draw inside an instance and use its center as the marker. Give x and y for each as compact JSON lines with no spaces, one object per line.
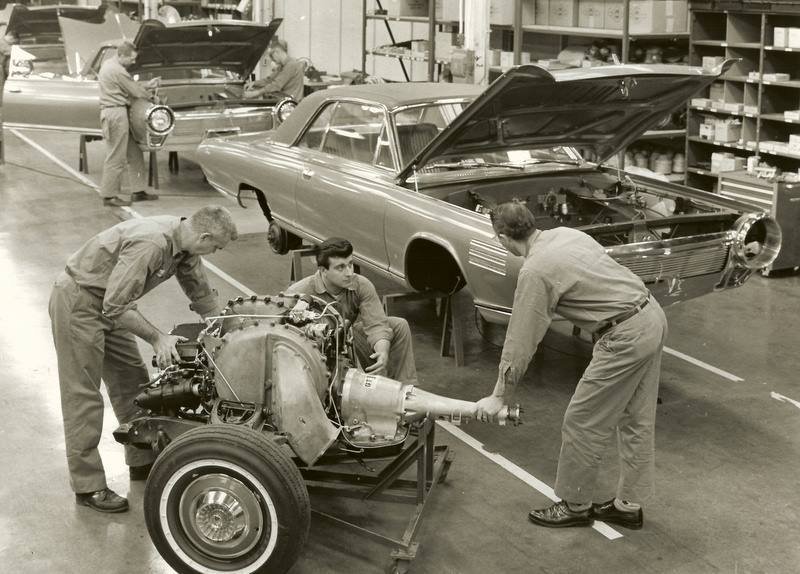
{"x":616,"y":320}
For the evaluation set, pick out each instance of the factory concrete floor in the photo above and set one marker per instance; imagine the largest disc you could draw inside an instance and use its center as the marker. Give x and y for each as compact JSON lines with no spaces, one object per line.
{"x":728,"y":431}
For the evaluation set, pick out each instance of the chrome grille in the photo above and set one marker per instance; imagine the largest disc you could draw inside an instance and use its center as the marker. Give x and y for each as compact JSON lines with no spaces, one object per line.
{"x":688,"y":263}
{"x":186,"y":125}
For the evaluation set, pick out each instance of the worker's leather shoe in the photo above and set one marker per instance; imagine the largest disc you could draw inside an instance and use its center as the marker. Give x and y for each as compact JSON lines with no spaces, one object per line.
{"x":105,"y":500}
{"x":559,"y":515}
{"x":143,"y":196}
{"x":140,"y":472}
{"x":115,"y":201}
{"x":608,"y":512}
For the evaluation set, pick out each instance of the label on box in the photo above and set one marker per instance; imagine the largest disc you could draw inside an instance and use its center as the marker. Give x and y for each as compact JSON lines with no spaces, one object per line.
{"x":501,"y":12}
{"x":794,"y":38}
{"x":591,"y":13}
{"x":707,"y":131}
{"x":542,"y":12}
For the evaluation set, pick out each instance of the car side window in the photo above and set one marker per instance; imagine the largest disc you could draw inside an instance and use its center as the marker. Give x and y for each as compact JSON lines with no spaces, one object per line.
{"x":312,"y":139}
{"x":358,"y":132}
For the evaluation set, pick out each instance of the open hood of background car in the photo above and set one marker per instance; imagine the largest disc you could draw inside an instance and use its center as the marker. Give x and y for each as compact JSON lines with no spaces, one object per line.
{"x":81,"y":39}
{"x":39,"y":25}
{"x":233,"y":46}
{"x":603,"y":109}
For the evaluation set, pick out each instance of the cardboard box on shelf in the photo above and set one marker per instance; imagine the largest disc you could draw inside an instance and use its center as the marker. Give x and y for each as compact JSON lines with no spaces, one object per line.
{"x":716,"y":92}
{"x":701,"y":102}
{"x":447,"y":10}
{"x":792,"y":115}
{"x":542,"y":12}
{"x":654,"y":16}
{"x":794,"y":144}
{"x":725,"y":161}
{"x":501,"y":12}
{"x":734,"y":107}
{"x":494,"y":57}
{"x":563,"y":13}
{"x":528,"y":12}
{"x":711,"y":62}
{"x":793,"y":40}
{"x":778,"y":77}
{"x":397,"y":8}
{"x":615,"y":14}
{"x":591,"y":13}
{"x":524,"y":57}
{"x":727,"y":131}
{"x":706,"y":131}
{"x":753,"y":76}
{"x":780,"y":37}
{"x":506,"y":60}
{"x":751,"y":109}
{"x":444,"y":43}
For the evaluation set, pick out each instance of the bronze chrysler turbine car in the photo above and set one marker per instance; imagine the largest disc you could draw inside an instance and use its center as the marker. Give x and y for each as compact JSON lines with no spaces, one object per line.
{"x":409,"y":172}
{"x":203,"y":65}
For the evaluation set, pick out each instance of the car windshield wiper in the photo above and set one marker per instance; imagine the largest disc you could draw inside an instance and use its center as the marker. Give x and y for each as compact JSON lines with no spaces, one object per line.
{"x":472,"y":164}
{"x":540,"y":160}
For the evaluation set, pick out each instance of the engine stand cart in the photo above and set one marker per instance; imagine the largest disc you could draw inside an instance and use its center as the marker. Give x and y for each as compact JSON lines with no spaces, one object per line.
{"x":433,"y":463}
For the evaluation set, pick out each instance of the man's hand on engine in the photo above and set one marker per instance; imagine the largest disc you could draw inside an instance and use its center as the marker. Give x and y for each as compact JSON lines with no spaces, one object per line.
{"x":488,"y":407}
{"x":381,"y":357}
{"x":165,"y":350}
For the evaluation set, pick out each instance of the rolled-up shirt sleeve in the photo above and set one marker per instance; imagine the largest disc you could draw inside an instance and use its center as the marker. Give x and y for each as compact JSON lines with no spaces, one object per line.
{"x":126,"y":283}
{"x":193,"y":280}
{"x":133,"y":88}
{"x":372,"y":315}
{"x":534,"y":306}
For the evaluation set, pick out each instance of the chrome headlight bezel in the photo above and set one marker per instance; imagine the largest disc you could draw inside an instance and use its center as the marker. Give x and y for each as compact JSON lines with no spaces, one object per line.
{"x":284,"y":108}
{"x":154,"y":116}
{"x":745,"y":227}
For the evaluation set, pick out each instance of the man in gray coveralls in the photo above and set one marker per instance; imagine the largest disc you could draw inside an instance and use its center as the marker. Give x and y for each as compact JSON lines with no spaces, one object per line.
{"x":94,"y":319}
{"x":117,"y":92}
{"x":567,"y":273}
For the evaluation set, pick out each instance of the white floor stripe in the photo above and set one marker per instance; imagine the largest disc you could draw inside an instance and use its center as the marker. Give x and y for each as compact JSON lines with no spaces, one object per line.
{"x":224,"y":276}
{"x":520,"y":473}
{"x":75,"y":173}
{"x":784,"y":399}
{"x":703,"y":365}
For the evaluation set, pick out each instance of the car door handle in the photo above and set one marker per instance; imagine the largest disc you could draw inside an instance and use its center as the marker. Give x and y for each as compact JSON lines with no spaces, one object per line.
{"x":308,"y":173}
{"x":15,"y":90}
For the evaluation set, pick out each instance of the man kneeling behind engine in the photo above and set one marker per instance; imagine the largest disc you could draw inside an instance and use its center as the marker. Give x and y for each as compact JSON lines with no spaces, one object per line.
{"x":382,"y":344}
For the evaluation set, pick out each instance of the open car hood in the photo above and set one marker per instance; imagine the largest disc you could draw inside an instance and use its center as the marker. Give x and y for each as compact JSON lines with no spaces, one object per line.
{"x":231,"y":45}
{"x":603,"y":109}
{"x":81,"y":38}
{"x":39,"y":25}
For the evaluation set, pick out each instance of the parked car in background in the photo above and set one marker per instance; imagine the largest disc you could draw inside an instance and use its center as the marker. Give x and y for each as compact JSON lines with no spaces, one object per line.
{"x":203,"y":65}
{"x":409,"y":172}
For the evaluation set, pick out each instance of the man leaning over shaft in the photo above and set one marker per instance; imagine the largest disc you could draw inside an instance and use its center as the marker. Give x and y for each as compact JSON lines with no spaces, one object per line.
{"x":117,"y":92}
{"x":94,"y":320}
{"x":382,"y":343}
{"x":567,"y":273}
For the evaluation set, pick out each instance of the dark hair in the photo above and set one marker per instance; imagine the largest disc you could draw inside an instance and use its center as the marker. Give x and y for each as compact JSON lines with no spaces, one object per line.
{"x":333,"y":247}
{"x":513,"y":219}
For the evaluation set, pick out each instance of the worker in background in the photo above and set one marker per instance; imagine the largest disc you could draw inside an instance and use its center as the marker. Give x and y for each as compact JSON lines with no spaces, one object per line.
{"x":569,"y":274}
{"x":286,"y":78}
{"x":117,"y":92}
{"x":381,"y":343}
{"x":94,"y":320}
{"x":9,"y":39}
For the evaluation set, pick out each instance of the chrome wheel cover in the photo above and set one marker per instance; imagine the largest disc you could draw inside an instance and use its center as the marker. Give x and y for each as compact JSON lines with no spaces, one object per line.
{"x":220,"y":515}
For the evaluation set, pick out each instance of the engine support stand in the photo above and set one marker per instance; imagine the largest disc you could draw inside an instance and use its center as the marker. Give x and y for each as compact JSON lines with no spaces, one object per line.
{"x":432,"y":464}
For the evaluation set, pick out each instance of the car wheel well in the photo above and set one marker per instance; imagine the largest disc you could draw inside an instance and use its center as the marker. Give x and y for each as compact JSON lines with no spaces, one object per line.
{"x":429,"y":266}
{"x":261,"y":198}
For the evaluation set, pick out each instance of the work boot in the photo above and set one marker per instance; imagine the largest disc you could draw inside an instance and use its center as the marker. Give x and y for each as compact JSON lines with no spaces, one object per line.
{"x":608,"y":512}
{"x":115,"y":201}
{"x":143,"y":196}
{"x":559,"y":515}
{"x":105,"y":500}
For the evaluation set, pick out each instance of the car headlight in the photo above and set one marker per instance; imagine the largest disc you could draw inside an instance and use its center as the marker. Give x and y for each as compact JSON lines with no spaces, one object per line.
{"x":160,"y":119}
{"x":757,"y":240}
{"x":284,"y":108}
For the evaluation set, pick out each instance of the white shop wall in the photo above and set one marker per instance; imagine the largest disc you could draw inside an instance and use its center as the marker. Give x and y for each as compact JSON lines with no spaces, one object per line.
{"x":329,"y":33}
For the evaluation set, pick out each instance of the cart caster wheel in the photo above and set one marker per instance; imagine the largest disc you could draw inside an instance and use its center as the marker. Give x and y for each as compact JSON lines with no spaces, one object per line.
{"x":398,"y":568}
